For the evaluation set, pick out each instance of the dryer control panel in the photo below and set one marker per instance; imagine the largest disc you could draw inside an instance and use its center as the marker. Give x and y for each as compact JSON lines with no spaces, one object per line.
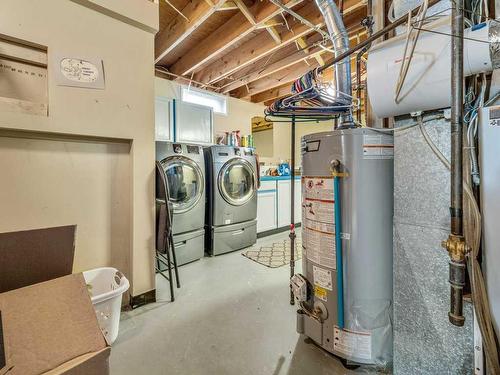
{"x":177,"y":148}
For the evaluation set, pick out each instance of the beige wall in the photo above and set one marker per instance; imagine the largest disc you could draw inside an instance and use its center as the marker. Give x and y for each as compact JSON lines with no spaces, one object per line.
{"x":239,"y":117}
{"x":263,"y":141}
{"x":42,"y":184}
{"x":124,"y":110}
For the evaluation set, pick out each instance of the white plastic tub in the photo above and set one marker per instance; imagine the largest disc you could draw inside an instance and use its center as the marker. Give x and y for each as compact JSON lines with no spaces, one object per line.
{"x":106,"y":286}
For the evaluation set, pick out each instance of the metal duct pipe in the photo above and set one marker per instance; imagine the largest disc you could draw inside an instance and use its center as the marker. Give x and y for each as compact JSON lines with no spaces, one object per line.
{"x":340,"y":40}
{"x":455,"y":244}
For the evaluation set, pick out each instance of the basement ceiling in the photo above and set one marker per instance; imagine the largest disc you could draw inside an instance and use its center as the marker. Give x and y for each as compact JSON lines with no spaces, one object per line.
{"x":249,"y":49}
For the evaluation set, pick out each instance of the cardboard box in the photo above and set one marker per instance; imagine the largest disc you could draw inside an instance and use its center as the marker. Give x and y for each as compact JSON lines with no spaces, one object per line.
{"x":51,"y":328}
{"x":33,"y":256}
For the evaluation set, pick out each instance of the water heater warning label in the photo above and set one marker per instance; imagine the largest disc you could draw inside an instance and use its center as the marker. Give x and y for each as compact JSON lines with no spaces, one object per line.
{"x":353,"y":345}
{"x":318,"y":188}
{"x":318,"y":233}
{"x":378,"y":146}
{"x":322,"y":277}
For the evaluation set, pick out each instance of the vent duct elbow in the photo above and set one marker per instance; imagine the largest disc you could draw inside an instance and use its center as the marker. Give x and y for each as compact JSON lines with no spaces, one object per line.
{"x":340,"y":39}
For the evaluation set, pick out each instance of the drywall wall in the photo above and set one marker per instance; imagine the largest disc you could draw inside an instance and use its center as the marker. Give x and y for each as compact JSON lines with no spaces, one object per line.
{"x":122,"y":112}
{"x":263,"y":141}
{"x":239,"y":116}
{"x":42,"y":180}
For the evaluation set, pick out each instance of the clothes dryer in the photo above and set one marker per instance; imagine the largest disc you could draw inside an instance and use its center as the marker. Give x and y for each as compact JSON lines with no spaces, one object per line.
{"x":232,"y":198}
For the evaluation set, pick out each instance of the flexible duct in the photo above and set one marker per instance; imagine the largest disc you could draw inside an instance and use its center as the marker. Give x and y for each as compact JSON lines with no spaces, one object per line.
{"x":340,"y":39}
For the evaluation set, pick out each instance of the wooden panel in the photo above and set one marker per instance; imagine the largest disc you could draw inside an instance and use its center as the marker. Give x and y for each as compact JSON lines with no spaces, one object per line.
{"x":197,"y":37}
{"x":167,"y":13}
{"x":285,"y":75}
{"x":272,"y":94}
{"x":273,"y":67}
{"x":225,"y":36}
{"x":179,"y":29}
{"x":262,"y":45}
{"x":259,"y":47}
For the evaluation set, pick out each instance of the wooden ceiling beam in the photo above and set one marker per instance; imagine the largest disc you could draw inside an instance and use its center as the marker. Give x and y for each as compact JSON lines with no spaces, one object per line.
{"x":259,"y":72}
{"x":231,"y":32}
{"x":273,"y":32}
{"x":286,"y":75}
{"x":284,"y":89}
{"x":262,"y":72}
{"x":246,"y":12}
{"x":228,"y":5}
{"x":269,"y":96}
{"x":260,"y":46}
{"x":179,"y":29}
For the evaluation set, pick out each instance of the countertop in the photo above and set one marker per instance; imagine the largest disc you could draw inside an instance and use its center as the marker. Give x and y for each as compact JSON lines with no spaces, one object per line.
{"x":278,"y":178}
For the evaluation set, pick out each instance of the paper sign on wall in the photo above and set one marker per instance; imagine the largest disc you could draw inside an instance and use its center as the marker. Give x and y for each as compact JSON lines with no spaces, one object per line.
{"x":76,"y":71}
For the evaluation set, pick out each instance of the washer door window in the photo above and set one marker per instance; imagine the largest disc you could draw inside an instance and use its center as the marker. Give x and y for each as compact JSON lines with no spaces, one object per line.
{"x":185,"y":182}
{"x":237,"y":181}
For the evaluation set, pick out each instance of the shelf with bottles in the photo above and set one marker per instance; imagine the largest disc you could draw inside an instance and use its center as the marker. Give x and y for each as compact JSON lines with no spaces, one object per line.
{"x":234,"y":138}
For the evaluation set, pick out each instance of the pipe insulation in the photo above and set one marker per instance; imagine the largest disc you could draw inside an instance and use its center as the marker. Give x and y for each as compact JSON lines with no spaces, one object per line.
{"x":427,"y":84}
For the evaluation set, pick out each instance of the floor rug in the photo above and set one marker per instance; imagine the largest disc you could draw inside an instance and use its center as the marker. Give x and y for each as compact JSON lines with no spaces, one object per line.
{"x":274,"y":255}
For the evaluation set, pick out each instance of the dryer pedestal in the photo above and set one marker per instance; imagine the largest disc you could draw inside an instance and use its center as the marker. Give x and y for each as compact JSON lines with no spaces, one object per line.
{"x":188,"y":247}
{"x":227,"y":238}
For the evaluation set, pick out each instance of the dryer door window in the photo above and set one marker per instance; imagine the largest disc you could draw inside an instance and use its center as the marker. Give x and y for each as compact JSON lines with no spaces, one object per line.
{"x":185,"y":182}
{"x":237,"y":181}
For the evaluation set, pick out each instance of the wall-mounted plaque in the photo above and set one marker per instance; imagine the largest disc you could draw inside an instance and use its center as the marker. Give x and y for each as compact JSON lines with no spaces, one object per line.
{"x":78,"y":72}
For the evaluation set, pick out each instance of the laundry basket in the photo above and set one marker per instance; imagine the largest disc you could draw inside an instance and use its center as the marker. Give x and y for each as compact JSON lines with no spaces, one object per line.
{"x":106,"y":286}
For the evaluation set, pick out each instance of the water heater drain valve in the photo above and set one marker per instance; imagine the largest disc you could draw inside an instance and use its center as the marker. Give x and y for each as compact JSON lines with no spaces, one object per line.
{"x":299,"y":287}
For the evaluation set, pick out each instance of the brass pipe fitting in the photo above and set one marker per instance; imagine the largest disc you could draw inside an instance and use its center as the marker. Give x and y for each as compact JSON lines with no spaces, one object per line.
{"x":457,"y":249}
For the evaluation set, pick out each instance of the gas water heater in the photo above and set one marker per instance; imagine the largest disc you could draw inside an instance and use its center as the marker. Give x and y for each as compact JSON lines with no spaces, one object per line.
{"x":345,"y":289}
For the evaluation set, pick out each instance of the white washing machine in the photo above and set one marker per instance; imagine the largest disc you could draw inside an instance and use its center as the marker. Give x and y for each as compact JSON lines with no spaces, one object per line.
{"x":184,"y":168}
{"x":232,"y":198}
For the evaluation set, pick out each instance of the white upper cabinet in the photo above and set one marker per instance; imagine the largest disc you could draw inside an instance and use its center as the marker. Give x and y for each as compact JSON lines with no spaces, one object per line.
{"x":193,"y":123}
{"x":163,"y":119}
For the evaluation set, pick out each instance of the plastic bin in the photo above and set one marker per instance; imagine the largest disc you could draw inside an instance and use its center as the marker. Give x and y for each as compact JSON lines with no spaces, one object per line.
{"x":106,"y":286}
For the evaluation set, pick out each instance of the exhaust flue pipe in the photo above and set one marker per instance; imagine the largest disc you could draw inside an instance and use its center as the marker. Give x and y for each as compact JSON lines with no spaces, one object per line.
{"x":340,"y":39}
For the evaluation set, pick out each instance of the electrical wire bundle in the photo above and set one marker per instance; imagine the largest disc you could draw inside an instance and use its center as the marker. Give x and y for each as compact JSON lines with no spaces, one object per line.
{"x":312,"y":100}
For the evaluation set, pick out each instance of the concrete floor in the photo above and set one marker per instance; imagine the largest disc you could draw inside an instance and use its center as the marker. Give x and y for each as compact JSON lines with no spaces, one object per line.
{"x":231,"y":316}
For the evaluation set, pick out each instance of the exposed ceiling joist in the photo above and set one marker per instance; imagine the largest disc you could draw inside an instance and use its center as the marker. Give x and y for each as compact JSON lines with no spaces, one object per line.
{"x":260,"y":46}
{"x":246,"y":12}
{"x":228,"y":5}
{"x":302,"y":44}
{"x":299,"y":17}
{"x":270,"y":95}
{"x":231,"y":32}
{"x":292,"y":59}
{"x":318,"y":58}
{"x":273,"y":32}
{"x":257,"y":48}
{"x":177,"y":10}
{"x":179,"y":29}
{"x":285,"y":75}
